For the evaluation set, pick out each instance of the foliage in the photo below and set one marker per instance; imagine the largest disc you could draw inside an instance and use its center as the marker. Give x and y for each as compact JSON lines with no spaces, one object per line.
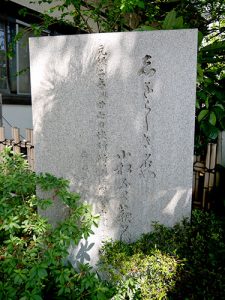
{"x":210,"y":104}
{"x":33,"y":262}
{"x":137,"y":275}
{"x":186,"y":261}
{"x":201,"y":243}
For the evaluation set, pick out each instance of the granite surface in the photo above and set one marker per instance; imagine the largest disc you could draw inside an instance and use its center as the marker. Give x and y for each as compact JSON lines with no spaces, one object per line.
{"x":114,"y":113}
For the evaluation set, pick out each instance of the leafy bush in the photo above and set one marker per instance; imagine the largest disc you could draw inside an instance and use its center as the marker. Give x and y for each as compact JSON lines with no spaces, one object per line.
{"x":137,"y":275}
{"x":33,"y":254}
{"x":186,"y":261}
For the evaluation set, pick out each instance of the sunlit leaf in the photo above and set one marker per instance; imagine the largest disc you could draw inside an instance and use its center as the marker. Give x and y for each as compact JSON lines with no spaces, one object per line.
{"x":203,"y":114}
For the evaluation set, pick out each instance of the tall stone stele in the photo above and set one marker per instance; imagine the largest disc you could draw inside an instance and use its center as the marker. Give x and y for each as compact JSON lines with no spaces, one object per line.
{"x":114,"y":113}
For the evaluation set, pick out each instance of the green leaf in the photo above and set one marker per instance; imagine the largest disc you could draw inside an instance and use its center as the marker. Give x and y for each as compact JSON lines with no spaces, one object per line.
{"x":141,"y":4}
{"x":220,"y":113}
{"x":200,"y":38}
{"x":199,"y":73}
{"x":130,"y":5}
{"x":210,"y":131}
{"x":202,"y":95}
{"x":197,"y":105}
{"x":213,"y":133}
{"x":23,"y":12}
{"x":179,"y":23}
{"x":42,"y":273}
{"x":207,"y":102}
{"x":220,"y":106}
{"x":216,"y":47}
{"x":202,"y":114}
{"x":170,"y":20}
{"x":212,"y":118}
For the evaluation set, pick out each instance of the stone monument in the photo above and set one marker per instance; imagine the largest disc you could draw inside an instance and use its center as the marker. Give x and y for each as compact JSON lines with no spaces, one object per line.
{"x":114,"y":113}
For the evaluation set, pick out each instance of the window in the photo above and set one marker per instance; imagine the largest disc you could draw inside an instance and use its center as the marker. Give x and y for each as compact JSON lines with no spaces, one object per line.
{"x":14,"y":58}
{"x":14,"y":71}
{"x":23,"y":63}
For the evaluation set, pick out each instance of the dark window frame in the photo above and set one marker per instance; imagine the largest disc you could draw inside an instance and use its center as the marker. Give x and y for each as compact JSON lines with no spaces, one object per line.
{"x":10,"y":13}
{"x":9,"y":28}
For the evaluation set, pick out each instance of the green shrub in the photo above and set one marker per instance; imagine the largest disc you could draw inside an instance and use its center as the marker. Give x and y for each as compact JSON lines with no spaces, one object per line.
{"x":137,"y":275}
{"x":186,"y":261}
{"x":202,"y":244}
{"x":33,"y":262}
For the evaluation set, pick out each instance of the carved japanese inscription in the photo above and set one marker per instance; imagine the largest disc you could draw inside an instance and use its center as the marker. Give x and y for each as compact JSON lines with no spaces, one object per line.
{"x":123,"y":172}
{"x":147,"y":72}
{"x":102,"y":139}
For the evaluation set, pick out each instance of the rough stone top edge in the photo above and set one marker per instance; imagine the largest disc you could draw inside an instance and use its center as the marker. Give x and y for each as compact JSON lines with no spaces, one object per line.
{"x":150,"y":32}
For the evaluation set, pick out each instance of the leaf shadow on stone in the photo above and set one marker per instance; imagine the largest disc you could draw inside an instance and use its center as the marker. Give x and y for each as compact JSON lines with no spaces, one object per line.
{"x":82,"y":254}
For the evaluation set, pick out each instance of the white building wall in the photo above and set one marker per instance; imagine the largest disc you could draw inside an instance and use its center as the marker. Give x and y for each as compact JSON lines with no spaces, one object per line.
{"x":17,"y":116}
{"x":44,"y":7}
{"x":35,"y":6}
